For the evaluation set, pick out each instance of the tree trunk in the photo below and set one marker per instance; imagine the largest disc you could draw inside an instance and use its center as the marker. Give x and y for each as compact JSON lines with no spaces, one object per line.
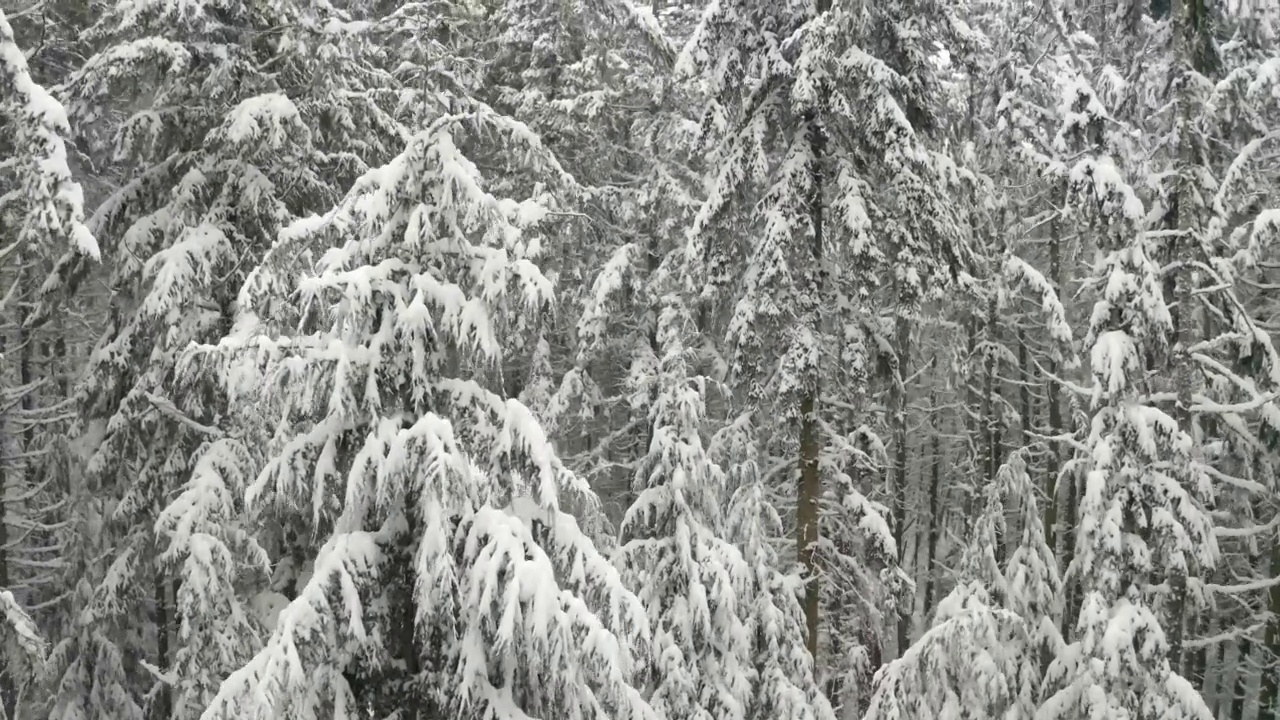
{"x":935,"y":521}
{"x":973,"y":450}
{"x":8,"y":681}
{"x":1071,"y":604}
{"x":992,"y":427}
{"x":809,"y":491}
{"x":898,"y":490}
{"x":1211,"y":675}
{"x":1241,"y":685}
{"x":1267,"y":694}
{"x":1054,"y":465}
{"x":162,"y":708}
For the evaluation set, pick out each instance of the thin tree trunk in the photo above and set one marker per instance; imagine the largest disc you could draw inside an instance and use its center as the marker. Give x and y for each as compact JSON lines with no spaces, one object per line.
{"x":1071,"y":605}
{"x":991,"y":425}
{"x":1024,"y":392}
{"x":1054,"y":465}
{"x":1267,"y":694}
{"x":1241,"y":685}
{"x":1211,"y":678}
{"x":995,"y":429}
{"x":8,"y":687}
{"x":898,"y":490}
{"x":809,"y":491}
{"x":935,"y":521}
{"x":8,"y":453}
{"x":162,"y":709}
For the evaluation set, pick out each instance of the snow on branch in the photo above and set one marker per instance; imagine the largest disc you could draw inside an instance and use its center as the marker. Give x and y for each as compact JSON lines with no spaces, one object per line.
{"x":20,"y":642}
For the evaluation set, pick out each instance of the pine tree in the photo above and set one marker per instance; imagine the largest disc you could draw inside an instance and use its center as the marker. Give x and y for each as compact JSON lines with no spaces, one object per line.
{"x":593,"y":79}
{"x":982,"y":655}
{"x":454,"y":581}
{"x":235,"y":121}
{"x":817,"y":115}
{"x":22,"y":650}
{"x":693,"y":580}
{"x":1142,"y":506}
{"x":42,"y":218}
{"x":785,"y":682}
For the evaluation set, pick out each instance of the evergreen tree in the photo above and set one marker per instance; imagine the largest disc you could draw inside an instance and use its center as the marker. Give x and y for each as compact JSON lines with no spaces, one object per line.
{"x":454,"y":581}
{"x":236,"y":119}
{"x":42,"y":223}
{"x":1142,"y":506}
{"x":693,"y":580}
{"x":982,"y":655}
{"x":817,"y":115}
{"x":785,"y":682}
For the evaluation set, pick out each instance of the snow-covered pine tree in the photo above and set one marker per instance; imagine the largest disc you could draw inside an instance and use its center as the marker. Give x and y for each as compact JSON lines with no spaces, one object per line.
{"x":982,"y":656}
{"x":226,"y":122}
{"x":785,"y":683}
{"x":41,"y":221}
{"x":454,"y":582}
{"x":1142,"y":510}
{"x":817,"y":117}
{"x":693,"y":581}
{"x":593,"y":79}
{"x":1244,"y":222}
{"x":1221,"y":378}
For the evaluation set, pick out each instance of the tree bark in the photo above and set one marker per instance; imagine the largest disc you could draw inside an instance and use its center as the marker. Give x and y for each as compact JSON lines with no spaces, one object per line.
{"x":1267,"y":694}
{"x":935,"y":520}
{"x":1054,"y":464}
{"x":898,"y":490}
{"x":1240,"y":687}
{"x":810,"y":488}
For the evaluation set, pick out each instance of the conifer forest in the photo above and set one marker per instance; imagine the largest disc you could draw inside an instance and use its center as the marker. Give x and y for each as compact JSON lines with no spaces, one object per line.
{"x":639,"y":359}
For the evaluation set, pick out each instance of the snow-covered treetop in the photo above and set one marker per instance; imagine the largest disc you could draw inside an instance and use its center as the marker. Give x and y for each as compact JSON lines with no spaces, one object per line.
{"x":819,"y":116}
{"x":389,"y":434}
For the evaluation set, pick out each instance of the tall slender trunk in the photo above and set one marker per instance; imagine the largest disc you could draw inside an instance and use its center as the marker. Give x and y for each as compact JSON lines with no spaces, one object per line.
{"x":935,"y":521}
{"x":1211,"y":676}
{"x":898,"y":490}
{"x":1024,"y":392}
{"x":809,"y":491}
{"x":991,"y":426}
{"x":973,"y":446}
{"x":9,"y":452}
{"x":994,"y":427}
{"x":1267,"y":695}
{"x":1054,"y":464}
{"x":8,"y":685}
{"x":162,"y":707}
{"x":1072,"y":600}
{"x":1239,"y":690}
{"x":1026,"y":407}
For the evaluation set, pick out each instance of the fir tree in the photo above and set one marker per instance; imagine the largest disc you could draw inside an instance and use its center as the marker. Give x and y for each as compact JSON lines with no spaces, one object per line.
{"x":693,"y":581}
{"x":454,"y":580}
{"x":817,"y":115}
{"x":42,"y":222}
{"x":235,"y":121}
{"x":982,"y":655}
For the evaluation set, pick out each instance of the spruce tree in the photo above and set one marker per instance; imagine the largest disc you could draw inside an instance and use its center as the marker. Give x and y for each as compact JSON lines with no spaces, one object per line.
{"x":454,"y":580}
{"x":817,"y":116}
{"x":43,"y":228}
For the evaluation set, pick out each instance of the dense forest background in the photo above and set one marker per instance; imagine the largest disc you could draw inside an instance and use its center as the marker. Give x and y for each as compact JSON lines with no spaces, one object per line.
{"x":569,"y":359}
